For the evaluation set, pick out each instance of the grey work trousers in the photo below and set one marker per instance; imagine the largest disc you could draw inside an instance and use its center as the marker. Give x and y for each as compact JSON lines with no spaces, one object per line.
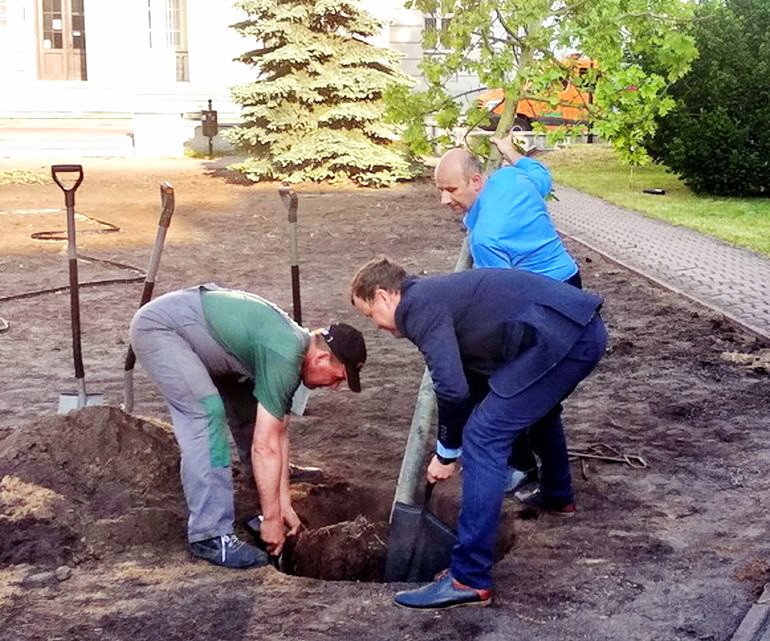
{"x":204,"y":387}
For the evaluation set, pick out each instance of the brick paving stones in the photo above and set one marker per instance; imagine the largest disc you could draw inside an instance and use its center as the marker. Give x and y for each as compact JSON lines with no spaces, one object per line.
{"x":728,"y":279}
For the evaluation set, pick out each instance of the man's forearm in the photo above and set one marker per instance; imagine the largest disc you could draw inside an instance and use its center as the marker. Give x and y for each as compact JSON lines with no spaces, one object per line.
{"x":285,"y":447}
{"x":267,"y":474}
{"x":509,"y":153}
{"x":267,"y":457}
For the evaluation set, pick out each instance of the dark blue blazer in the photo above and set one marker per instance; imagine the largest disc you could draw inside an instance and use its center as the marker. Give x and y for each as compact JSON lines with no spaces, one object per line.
{"x":483,"y":319}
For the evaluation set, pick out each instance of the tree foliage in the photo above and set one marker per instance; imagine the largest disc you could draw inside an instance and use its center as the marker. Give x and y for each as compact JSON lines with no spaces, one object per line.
{"x":315,"y":111}
{"x":717,"y":138}
{"x":514,"y":45}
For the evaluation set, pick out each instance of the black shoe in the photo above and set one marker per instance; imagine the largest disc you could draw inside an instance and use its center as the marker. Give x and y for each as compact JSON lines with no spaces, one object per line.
{"x":535,"y":499}
{"x":228,"y":551}
{"x":443,"y":593}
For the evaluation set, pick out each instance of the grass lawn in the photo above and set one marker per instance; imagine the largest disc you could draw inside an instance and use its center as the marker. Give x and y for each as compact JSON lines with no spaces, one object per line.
{"x":596,"y":170}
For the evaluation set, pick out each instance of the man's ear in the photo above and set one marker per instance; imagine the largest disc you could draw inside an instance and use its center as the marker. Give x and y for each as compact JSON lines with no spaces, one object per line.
{"x":477,"y":180}
{"x":323,"y":357}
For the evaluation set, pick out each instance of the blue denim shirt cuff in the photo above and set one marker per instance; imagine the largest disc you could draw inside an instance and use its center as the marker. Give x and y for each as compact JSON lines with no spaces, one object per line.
{"x":448,"y":452}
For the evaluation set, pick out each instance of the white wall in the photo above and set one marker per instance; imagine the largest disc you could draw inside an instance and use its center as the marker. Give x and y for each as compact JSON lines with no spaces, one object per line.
{"x":18,"y":60}
{"x":406,"y":27}
{"x":213,"y":45}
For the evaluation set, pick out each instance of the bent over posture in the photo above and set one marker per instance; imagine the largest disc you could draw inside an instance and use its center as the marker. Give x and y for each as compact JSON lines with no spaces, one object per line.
{"x":504,"y":347}
{"x":224,"y":356}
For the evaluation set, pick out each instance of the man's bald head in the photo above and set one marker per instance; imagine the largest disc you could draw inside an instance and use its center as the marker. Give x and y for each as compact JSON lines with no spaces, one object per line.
{"x":459,"y":177}
{"x":459,"y":159}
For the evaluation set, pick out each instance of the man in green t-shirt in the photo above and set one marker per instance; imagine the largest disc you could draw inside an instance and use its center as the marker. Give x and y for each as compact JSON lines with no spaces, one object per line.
{"x":226,"y":358}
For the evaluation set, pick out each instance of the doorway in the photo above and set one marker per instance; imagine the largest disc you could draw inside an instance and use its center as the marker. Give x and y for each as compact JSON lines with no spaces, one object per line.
{"x":61,"y":40}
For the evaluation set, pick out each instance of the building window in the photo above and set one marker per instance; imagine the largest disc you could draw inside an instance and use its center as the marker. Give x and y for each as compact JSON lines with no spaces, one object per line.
{"x":439,"y":25}
{"x":167,"y":20}
{"x":78,"y":25}
{"x":53,"y":25}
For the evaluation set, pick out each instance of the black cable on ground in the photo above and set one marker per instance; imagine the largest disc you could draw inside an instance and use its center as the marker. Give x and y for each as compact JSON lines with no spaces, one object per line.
{"x":62,"y":235}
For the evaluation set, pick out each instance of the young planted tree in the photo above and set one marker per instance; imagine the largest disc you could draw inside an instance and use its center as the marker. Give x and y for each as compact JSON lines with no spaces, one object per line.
{"x":516,"y":45}
{"x":315,"y":111}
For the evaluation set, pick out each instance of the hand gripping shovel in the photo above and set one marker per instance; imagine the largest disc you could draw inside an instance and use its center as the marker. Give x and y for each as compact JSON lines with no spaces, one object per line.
{"x":289,"y":199}
{"x":419,"y":544}
{"x":69,"y":401}
{"x":167,"y":210}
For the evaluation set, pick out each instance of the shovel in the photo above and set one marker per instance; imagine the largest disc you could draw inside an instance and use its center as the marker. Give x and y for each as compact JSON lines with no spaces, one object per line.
{"x":419,"y":544}
{"x":167,"y":210}
{"x":289,"y":199}
{"x":69,"y":401}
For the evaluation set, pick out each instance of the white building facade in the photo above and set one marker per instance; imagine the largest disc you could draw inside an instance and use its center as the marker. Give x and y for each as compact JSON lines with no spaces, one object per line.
{"x":137,"y":72}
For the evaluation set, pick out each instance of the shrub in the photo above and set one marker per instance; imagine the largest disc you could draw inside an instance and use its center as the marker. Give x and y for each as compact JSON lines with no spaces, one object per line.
{"x":717,"y":137}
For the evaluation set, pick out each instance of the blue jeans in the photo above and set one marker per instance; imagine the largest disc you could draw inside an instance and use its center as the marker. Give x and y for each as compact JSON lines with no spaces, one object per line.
{"x":487,"y":439}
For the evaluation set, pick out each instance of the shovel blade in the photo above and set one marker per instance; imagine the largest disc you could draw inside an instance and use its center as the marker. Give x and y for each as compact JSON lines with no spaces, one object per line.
{"x":74,"y":401}
{"x":419,"y":545}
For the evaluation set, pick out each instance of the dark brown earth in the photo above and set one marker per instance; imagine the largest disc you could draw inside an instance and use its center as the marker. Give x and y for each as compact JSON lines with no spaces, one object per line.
{"x":678,"y":550}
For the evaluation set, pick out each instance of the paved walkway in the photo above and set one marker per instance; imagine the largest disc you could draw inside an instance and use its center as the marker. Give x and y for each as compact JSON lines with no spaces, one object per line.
{"x":733,"y":281}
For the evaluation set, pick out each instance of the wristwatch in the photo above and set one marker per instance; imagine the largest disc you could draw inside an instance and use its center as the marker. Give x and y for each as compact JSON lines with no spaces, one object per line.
{"x":445,"y":460}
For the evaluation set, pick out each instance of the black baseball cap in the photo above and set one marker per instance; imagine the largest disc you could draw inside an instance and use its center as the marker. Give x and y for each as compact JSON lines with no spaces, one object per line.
{"x":348,"y":345}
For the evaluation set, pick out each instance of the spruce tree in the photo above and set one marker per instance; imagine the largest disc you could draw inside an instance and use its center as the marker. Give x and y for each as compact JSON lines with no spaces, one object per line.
{"x":315,"y":112}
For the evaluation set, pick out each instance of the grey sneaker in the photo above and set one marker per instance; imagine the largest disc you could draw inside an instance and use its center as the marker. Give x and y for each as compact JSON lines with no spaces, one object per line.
{"x":519,"y":478}
{"x":228,"y":551}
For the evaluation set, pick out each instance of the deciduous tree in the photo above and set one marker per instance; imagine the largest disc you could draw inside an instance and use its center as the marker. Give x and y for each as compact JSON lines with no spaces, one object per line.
{"x":520,"y":46}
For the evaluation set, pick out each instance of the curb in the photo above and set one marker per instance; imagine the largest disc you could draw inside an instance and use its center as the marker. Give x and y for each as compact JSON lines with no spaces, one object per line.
{"x":756,"y":624}
{"x":755,"y":331}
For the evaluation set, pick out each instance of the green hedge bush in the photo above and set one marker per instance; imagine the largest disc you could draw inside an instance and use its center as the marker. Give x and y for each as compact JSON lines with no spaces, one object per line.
{"x":717,"y":138}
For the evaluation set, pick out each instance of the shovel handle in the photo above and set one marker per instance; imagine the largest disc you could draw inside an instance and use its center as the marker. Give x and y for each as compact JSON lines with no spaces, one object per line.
{"x":69,"y":191}
{"x":289,"y":199}
{"x":167,"y":202}
{"x":428,"y":492}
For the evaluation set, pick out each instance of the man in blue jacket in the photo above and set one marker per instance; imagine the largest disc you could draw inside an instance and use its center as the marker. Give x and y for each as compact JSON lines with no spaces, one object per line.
{"x":506,"y":214}
{"x":508,"y":226}
{"x":532,"y":339}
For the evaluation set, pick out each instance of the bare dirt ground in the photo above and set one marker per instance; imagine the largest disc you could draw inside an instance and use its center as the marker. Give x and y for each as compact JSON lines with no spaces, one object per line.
{"x":678,"y":550}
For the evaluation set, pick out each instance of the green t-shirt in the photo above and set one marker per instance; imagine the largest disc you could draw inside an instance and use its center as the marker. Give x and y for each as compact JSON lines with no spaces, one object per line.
{"x":264,"y":339}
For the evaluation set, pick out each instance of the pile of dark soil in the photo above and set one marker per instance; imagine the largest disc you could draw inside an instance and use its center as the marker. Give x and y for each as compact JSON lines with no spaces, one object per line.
{"x":78,"y":486}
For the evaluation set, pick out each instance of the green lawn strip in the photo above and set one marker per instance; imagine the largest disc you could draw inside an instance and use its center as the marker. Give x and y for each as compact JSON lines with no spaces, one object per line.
{"x":595,"y":170}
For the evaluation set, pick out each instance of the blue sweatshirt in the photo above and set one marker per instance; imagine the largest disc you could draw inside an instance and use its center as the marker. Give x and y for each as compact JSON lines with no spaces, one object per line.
{"x":509,"y":225}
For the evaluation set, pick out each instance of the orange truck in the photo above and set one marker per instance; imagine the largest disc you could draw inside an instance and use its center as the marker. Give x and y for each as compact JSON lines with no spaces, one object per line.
{"x":571,"y":109}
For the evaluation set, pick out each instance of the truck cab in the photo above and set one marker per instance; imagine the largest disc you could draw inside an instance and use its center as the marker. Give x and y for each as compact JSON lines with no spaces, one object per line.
{"x":571,"y":110}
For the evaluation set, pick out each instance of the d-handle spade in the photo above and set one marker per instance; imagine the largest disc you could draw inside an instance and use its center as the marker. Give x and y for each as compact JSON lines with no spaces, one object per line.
{"x":69,"y":185}
{"x":289,"y":199}
{"x":166,"y":212}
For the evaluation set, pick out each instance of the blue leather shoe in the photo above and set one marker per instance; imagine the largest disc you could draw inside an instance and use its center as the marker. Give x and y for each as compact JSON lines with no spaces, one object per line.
{"x":445,"y":592}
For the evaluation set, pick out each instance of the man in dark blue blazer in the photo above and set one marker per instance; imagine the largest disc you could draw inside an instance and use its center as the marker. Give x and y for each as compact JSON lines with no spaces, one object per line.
{"x":525,"y":341}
